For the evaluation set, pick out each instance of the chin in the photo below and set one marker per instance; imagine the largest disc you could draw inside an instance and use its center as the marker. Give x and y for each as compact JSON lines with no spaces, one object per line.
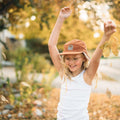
{"x":72,"y":70}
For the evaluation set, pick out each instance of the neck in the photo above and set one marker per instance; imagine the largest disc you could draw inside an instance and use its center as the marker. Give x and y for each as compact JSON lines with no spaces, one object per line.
{"x":76,"y":72}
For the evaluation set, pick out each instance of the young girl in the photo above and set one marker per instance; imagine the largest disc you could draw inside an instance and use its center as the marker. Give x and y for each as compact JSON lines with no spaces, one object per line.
{"x":72,"y":66}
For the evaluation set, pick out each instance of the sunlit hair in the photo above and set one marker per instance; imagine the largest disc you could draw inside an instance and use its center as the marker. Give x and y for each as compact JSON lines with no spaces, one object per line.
{"x":66,"y":73}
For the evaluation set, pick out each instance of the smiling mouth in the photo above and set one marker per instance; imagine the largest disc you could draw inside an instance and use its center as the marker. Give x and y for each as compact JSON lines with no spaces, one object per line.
{"x":72,"y":66}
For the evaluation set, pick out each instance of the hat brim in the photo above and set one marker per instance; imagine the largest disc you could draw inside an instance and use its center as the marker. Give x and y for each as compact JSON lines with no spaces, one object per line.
{"x":69,"y":53}
{"x":73,"y":53}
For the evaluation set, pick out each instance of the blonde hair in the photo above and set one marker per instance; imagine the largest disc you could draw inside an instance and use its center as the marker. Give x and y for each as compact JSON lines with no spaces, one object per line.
{"x":66,"y":73}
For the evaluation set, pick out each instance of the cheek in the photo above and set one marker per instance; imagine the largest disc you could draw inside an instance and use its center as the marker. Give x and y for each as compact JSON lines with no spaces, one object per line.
{"x":79,"y":63}
{"x":66,"y":62}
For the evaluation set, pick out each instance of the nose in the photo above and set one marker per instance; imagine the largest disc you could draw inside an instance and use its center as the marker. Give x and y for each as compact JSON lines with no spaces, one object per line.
{"x":71,"y":61}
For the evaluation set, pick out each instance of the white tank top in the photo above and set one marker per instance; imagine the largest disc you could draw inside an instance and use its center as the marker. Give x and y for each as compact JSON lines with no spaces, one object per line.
{"x":74,"y":99}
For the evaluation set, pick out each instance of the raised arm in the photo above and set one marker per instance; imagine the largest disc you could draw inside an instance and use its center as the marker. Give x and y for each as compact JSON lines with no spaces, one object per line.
{"x":109,"y":29}
{"x":53,"y":40}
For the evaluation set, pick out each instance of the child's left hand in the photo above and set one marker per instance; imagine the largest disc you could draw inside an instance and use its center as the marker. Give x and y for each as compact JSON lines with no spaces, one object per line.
{"x":109,"y":28}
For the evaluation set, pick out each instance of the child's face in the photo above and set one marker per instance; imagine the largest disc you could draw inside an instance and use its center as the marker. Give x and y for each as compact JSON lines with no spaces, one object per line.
{"x":74,"y":62}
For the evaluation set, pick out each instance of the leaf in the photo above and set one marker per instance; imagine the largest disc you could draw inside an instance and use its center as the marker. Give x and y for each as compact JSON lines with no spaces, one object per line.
{"x":108,"y":93}
{"x":41,"y":26}
{"x":4,"y":99}
{"x":115,"y":52}
{"x":4,"y":56}
{"x":114,"y":46}
{"x":106,"y":51}
{"x":25,"y":84}
{"x":12,"y":98}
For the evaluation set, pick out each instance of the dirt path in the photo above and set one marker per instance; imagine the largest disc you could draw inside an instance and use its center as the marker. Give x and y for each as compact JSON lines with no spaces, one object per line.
{"x":110,"y":67}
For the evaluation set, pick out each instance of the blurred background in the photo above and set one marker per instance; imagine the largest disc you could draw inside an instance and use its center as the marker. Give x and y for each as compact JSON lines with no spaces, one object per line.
{"x":29,"y":83}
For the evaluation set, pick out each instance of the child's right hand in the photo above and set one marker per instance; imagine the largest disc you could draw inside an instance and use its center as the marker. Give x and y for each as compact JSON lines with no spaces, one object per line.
{"x":65,"y":12}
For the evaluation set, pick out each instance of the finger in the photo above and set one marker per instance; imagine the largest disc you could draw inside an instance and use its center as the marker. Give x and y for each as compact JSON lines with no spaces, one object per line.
{"x":104,"y":24}
{"x":111,"y":32}
{"x":67,"y":9}
{"x":114,"y":30}
{"x":106,"y":27}
{"x":110,"y":21}
{"x":110,"y":26}
{"x":63,"y":10}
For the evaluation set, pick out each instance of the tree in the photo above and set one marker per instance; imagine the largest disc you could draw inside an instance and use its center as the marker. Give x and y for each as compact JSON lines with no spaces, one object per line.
{"x":36,"y":18}
{"x":115,"y":8}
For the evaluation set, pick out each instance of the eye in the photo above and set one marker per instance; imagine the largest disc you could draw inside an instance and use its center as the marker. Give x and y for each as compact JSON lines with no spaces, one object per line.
{"x":67,"y":58}
{"x":75,"y":58}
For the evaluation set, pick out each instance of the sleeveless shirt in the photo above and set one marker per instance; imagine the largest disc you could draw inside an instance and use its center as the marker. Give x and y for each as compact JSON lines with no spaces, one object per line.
{"x":74,"y":99}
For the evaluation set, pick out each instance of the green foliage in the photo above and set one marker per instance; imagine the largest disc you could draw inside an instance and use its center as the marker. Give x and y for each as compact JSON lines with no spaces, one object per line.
{"x":25,"y":91}
{"x":46,"y":14}
{"x":40,"y":63}
{"x":7,"y":9}
{"x":116,"y":9}
{"x":79,"y":31}
{"x":23,"y":57}
{"x":4,"y":44}
{"x":27,"y":62}
{"x":2,"y":25}
{"x":36,"y":46}
{"x":112,"y":45}
{"x":48,"y":78}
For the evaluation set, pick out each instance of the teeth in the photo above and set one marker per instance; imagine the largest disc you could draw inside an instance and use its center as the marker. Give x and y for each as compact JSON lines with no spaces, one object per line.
{"x":72,"y":66}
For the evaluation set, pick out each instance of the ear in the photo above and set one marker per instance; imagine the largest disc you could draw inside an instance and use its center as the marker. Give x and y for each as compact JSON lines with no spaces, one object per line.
{"x":84,"y":59}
